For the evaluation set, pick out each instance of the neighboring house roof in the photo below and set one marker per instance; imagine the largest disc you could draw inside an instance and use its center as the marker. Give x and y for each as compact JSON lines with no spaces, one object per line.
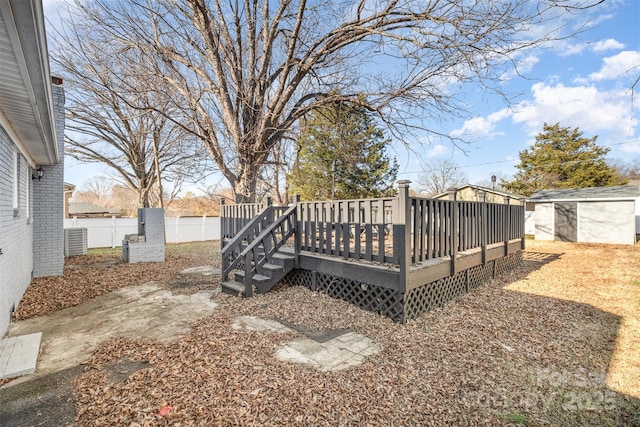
{"x":26,"y":97}
{"x":90,"y":208}
{"x":620,"y":192}
{"x":485,"y":189}
{"x":69,"y":188}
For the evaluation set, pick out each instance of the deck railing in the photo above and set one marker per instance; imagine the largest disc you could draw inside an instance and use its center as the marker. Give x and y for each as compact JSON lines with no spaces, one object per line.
{"x":400,"y":230}
{"x":357,"y":229}
{"x":441,"y":228}
{"x":233,"y":218}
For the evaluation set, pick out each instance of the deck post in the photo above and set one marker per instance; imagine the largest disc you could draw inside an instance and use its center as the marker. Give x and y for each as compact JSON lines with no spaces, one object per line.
{"x":482,"y":198}
{"x":270,"y":217}
{"x":223,"y":219}
{"x":484,"y":227}
{"x":402,"y":232}
{"x":297,"y":239}
{"x":507,"y":225}
{"x":522,"y":227}
{"x":453,"y":238}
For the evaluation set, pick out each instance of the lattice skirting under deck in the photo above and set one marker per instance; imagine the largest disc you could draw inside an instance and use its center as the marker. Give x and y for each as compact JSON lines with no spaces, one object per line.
{"x":397,"y":305}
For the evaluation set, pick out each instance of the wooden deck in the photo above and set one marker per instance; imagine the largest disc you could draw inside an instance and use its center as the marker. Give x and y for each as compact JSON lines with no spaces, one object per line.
{"x":398,"y":256}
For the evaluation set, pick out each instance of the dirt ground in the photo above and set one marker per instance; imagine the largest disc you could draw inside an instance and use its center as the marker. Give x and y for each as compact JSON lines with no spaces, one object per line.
{"x":556,"y":342}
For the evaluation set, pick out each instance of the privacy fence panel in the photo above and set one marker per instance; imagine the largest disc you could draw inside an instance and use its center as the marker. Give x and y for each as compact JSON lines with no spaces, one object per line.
{"x":109,"y":232}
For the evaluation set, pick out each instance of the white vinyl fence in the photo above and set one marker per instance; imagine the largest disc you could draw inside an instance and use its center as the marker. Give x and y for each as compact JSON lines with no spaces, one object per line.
{"x":109,"y":232}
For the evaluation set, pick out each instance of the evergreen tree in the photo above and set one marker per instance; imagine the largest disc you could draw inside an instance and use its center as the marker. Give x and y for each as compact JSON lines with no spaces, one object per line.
{"x":342,"y":155}
{"x":562,"y":158}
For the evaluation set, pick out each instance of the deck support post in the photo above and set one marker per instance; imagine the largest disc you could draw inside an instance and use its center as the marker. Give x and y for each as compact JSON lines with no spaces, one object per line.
{"x":453,"y":236}
{"x":402,"y":232}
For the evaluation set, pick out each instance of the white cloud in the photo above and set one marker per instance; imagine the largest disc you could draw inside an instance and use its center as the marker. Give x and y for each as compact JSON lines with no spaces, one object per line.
{"x":480,"y":127}
{"x":608,"y":44}
{"x":437,"y":150}
{"x":586,"y":107}
{"x":572,"y":49}
{"x":617,"y":65}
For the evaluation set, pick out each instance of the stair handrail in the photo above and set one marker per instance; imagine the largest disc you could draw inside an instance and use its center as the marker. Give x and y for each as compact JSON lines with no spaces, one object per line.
{"x":248,"y":233}
{"x":251,"y":256}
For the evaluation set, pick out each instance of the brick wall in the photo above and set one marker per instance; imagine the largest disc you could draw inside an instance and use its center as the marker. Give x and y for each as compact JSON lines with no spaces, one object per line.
{"x":151,"y":249}
{"x":48,"y":205}
{"x":16,"y":260}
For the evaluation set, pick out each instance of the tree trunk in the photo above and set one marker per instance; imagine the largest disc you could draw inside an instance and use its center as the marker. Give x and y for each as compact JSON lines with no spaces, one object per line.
{"x":156,"y":163}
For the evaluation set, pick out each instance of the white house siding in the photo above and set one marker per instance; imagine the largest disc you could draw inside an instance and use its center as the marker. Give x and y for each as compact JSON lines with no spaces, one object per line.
{"x":606,"y":222}
{"x":16,"y":260}
{"x":48,"y":206}
{"x":544,"y":221}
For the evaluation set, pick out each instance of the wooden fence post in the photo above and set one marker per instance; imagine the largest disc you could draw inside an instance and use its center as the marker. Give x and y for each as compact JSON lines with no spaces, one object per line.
{"x":402,"y":232}
{"x":454,"y":228}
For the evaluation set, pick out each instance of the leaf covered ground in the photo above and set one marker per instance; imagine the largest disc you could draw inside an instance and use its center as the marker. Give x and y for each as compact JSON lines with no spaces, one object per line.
{"x":556,"y":342}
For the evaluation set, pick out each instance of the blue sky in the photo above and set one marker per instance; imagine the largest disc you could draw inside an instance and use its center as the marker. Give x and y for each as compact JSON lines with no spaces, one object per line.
{"x":583,"y":82}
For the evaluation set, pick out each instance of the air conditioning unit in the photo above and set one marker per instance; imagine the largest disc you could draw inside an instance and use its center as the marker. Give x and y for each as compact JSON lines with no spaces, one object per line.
{"x":75,"y":241}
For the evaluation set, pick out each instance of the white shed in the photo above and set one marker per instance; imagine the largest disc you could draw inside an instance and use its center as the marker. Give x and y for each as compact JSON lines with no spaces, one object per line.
{"x":596,"y":214}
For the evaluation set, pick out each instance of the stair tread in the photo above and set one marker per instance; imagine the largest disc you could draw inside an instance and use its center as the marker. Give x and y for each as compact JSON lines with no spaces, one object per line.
{"x":234,"y":286}
{"x":282,"y":255}
{"x":272,"y":267}
{"x":256,"y":277}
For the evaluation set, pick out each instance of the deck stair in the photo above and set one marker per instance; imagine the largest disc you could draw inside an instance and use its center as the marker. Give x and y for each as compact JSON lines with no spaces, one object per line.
{"x":268,"y":275}
{"x":255,"y":259}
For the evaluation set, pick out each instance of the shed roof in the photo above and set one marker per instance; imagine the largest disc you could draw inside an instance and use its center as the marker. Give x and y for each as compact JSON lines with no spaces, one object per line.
{"x":620,"y":192}
{"x":485,"y":189}
{"x":78,"y":208}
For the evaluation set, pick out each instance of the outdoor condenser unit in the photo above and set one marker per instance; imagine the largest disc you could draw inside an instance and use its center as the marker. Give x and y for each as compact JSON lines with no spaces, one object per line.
{"x":75,"y":241}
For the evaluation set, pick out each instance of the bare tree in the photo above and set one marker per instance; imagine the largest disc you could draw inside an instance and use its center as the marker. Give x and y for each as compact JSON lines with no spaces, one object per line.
{"x":109,"y":124}
{"x":96,"y":190}
{"x":440,"y":176}
{"x":242,"y":73}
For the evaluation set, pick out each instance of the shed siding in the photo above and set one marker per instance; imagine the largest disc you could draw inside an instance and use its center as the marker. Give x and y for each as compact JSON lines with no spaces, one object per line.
{"x":607,"y":222}
{"x":16,"y":259}
{"x":543,"y":215}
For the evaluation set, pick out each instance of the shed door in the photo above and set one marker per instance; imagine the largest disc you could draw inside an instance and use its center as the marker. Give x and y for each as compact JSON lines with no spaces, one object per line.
{"x":566,"y":222}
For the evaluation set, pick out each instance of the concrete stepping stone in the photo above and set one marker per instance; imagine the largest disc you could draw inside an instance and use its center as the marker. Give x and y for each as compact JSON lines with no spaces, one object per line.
{"x":18,"y":355}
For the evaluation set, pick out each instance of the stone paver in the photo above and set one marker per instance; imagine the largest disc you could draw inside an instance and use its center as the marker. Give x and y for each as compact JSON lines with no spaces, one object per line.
{"x":342,"y":352}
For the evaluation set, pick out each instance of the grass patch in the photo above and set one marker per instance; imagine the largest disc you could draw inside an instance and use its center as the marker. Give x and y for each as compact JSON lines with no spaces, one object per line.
{"x":516,"y":418}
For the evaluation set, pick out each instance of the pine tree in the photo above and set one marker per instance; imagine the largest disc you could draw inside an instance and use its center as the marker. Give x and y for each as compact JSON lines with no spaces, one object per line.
{"x":562,"y":158}
{"x":342,"y":155}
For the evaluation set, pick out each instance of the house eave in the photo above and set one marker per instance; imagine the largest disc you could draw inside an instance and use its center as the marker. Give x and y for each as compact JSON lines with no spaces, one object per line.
{"x":30,"y":120}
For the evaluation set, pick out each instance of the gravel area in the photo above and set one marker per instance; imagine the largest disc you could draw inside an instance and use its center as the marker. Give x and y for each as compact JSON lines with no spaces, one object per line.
{"x":553,"y":343}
